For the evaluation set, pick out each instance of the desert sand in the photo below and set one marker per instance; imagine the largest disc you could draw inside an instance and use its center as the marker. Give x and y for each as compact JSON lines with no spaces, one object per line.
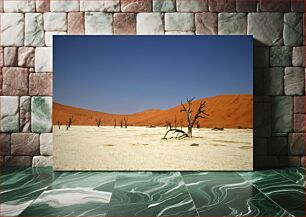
{"x":141,"y":148}
{"x":228,"y":111}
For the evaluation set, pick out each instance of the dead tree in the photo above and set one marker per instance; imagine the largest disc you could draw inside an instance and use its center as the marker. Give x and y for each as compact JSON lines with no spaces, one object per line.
{"x":168,"y":124}
{"x":69,"y":122}
{"x":121,"y":123}
{"x":98,"y":122}
{"x":191,"y":120}
{"x":180,"y":134}
{"x":125,"y":122}
{"x":198,"y":124}
{"x":59,"y":125}
{"x":115,"y":124}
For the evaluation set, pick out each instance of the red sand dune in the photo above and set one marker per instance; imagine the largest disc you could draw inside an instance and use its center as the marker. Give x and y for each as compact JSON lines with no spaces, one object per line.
{"x":228,"y":111}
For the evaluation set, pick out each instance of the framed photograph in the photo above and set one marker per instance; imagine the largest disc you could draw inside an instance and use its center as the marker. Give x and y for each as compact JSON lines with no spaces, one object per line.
{"x":154,"y":103}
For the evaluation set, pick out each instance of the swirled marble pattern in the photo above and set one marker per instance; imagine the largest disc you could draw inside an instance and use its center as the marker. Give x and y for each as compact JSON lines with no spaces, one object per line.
{"x":75,"y":194}
{"x":296,"y":174}
{"x":20,"y":187}
{"x":42,"y":192}
{"x":285,"y":192}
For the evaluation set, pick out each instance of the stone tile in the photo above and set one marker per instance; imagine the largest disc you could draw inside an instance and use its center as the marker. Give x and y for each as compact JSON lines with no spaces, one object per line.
{"x":97,"y":23}
{"x":1,"y":56}
{"x":5,"y":144}
{"x":34,"y":29}
{"x":206,"y":23}
{"x":100,"y":5}
{"x":274,"y":81}
{"x":10,"y":55}
{"x":26,"y":56}
{"x":179,"y":33}
{"x":42,"y":161}
{"x":262,"y":119}
{"x":55,"y":21}
{"x":136,"y":5}
{"x":49,"y":37}
{"x":261,"y":56}
{"x":42,"y":5}
{"x":76,"y":23}
{"x":262,"y":99}
{"x":40,"y":84}
{"x":278,"y":145}
{"x":1,"y":81}
{"x":232,"y":24}
{"x":299,"y":123}
{"x":271,"y":6}
{"x":282,"y":117}
{"x":163,"y":5}
{"x":296,"y":143}
{"x":150,"y":24}
{"x":303,"y":161}
{"x":46,"y":144}
{"x":12,"y":29}
{"x":266,"y":28}
{"x":191,"y":5}
{"x":1,"y":10}
{"x":19,"y":6}
{"x":280,"y":56}
{"x":25,"y":114}
{"x":298,"y":56}
{"x":293,"y":29}
{"x":289,"y":161}
{"x":124,"y":23}
{"x":299,"y":104}
{"x":41,"y":112}
{"x":222,"y":5}
{"x":9,"y":115}
{"x":265,"y":162}
{"x":294,"y":81}
{"x":304,"y":29}
{"x":179,"y":22}
{"x":18,"y":161}
{"x":15,"y":81}
{"x":43,"y":59}
{"x":1,"y":157}
{"x":258,"y":86}
{"x":260,"y":146}
{"x":25,"y":144}
{"x":65,"y":6}
{"x":246,"y":5}
{"x":297,"y":5}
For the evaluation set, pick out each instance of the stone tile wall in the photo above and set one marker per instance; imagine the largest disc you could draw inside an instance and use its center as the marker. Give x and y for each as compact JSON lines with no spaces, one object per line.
{"x":27,"y":27}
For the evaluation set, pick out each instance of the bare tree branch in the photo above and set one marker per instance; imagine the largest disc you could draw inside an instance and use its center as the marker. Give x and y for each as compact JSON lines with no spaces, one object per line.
{"x":201,"y":113}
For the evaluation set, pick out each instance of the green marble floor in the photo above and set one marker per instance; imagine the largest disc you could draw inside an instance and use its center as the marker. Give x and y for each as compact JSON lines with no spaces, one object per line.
{"x":42,"y":192}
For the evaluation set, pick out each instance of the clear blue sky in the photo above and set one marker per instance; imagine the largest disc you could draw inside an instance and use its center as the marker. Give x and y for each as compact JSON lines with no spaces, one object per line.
{"x":127,"y":74}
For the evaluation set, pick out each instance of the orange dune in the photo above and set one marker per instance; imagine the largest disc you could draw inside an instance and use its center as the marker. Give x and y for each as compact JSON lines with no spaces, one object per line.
{"x":228,"y":111}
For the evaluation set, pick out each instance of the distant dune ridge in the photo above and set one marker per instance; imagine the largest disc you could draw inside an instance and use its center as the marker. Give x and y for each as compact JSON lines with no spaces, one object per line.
{"x":227,"y":111}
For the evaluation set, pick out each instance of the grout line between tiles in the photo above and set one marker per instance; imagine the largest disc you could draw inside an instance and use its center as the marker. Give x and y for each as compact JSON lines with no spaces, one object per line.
{"x":289,"y":179}
{"x":38,"y":195}
{"x":267,"y":196}
{"x":190,"y":194}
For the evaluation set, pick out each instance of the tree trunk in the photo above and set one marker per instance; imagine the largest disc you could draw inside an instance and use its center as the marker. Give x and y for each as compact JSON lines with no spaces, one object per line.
{"x":189,"y":131}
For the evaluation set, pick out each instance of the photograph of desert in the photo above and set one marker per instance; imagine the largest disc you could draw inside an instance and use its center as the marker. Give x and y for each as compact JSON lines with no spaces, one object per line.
{"x":136,"y":121}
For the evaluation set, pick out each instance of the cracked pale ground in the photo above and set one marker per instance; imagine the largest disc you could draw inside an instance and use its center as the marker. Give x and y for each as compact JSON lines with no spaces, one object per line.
{"x":141,"y":148}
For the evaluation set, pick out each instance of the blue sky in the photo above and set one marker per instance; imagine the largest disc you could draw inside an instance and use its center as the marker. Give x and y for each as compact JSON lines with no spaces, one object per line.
{"x":128,"y":74}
